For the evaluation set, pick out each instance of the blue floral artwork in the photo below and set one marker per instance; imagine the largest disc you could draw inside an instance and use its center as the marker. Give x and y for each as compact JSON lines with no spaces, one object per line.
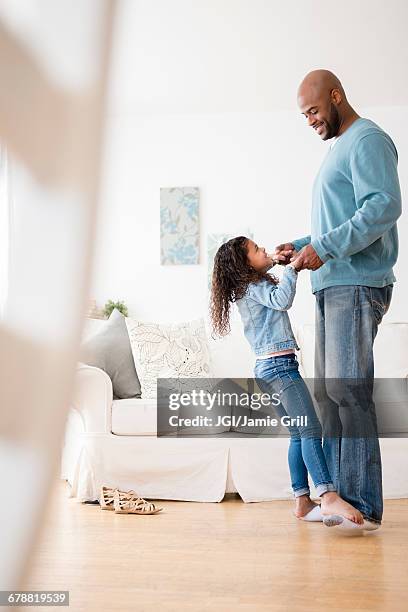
{"x":179,"y":239}
{"x":214,"y":241}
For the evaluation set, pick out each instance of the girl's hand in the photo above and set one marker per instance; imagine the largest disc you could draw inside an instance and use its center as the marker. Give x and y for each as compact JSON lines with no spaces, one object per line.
{"x":283,"y":253}
{"x":295,"y":262}
{"x":291,"y":258}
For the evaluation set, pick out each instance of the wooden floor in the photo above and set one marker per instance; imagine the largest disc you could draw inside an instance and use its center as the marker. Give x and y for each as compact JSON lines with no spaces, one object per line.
{"x":222,"y":557}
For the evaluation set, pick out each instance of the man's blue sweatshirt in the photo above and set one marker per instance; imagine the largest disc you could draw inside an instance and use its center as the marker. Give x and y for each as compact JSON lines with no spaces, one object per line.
{"x":355,"y":205}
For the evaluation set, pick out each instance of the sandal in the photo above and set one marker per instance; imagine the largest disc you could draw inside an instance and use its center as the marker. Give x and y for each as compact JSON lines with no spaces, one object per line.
{"x":106,"y":497}
{"x":133,"y":506}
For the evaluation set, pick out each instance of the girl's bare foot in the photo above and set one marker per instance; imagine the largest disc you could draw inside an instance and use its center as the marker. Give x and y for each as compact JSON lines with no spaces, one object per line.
{"x":334,"y":504}
{"x":303,"y":505}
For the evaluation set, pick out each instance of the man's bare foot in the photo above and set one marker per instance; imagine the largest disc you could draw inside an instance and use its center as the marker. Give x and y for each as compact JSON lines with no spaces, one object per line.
{"x":334,"y":504}
{"x":303,"y":505}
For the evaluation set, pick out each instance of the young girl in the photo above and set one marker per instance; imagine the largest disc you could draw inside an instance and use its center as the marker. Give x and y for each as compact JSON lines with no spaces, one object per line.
{"x":241,"y":275}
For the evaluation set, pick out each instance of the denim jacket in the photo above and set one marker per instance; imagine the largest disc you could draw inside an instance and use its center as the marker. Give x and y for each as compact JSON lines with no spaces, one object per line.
{"x":263,"y":311}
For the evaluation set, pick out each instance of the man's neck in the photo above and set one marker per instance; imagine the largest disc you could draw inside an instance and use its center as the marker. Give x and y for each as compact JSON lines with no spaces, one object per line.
{"x":347,"y":120}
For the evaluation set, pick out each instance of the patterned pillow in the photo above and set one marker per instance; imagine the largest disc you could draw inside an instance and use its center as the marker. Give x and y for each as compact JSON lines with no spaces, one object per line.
{"x":168,"y":351}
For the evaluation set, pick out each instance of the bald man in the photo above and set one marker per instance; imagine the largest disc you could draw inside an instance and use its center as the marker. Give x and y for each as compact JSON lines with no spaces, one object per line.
{"x":351,"y":251}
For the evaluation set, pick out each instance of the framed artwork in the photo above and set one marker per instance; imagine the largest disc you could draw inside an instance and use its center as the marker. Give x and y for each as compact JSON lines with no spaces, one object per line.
{"x":179,"y":235}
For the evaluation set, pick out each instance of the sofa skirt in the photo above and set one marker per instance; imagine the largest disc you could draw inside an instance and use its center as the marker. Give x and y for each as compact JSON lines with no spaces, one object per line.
{"x":197,"y":469}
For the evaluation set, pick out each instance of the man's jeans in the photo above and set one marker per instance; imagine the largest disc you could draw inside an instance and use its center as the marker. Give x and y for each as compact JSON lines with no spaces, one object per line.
{"x":347,"y":319}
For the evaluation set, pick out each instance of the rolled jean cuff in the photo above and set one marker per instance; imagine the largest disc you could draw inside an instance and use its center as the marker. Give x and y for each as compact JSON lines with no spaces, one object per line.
{"x":300,"y":492}
{"x":325,"y":487}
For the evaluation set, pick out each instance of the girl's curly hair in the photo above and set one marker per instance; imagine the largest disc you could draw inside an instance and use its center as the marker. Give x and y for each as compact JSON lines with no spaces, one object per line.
{"x":231,"y":276}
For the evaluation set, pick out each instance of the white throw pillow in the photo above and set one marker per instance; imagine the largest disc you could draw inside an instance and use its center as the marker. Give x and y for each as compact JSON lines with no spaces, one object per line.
{"x":168,"y":351}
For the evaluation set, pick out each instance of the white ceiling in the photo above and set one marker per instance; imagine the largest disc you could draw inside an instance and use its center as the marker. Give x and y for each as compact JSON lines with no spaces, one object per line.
{"x":194,"y":56}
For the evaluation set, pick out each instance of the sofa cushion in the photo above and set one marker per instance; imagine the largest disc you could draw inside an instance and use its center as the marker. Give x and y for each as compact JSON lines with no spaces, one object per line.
{"x":134,"y":417}
{"x":177,"y":350}
{"x":109,"y":349}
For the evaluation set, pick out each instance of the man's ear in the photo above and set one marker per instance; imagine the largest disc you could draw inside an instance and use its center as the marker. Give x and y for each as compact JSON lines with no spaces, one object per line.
{"x":336,"y":96}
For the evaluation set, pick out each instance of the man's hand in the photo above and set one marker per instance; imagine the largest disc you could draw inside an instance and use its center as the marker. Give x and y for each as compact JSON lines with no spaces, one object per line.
{"x":307,"y":259}
{"x":283,"y":253}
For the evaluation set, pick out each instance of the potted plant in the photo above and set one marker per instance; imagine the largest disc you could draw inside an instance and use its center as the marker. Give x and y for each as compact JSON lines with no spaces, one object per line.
{"x":110,"y":305}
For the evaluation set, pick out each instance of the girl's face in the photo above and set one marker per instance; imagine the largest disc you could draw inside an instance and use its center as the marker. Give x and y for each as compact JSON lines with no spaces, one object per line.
{"x":258,"y":258}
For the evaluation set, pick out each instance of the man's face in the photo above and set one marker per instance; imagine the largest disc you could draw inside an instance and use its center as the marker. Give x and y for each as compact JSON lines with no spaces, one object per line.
{"x":321,"y":114}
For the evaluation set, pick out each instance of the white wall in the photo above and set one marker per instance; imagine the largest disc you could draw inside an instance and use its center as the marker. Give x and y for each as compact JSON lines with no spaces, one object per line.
{"x":202,"y":56}
{"x":253,"y":169}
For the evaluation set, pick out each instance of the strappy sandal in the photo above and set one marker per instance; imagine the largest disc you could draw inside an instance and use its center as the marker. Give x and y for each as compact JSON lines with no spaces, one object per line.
{"x":133,"y":506}
{"x":106,"y":497}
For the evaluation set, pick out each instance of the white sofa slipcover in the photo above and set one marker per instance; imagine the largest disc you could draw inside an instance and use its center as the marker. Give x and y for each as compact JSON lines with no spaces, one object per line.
{"x":114,"y":442}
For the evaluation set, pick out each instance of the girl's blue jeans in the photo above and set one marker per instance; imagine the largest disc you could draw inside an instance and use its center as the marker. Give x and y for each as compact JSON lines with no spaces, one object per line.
{"x":280,"y":374}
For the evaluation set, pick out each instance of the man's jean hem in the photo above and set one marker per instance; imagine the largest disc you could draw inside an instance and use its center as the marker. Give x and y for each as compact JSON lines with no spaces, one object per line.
{"x":321,"y":489}
{"x":370,"y":519}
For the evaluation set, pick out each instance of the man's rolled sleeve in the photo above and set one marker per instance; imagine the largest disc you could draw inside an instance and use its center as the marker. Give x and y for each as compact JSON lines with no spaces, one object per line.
{"x":299,"y":243}
{"x":320,"y":250}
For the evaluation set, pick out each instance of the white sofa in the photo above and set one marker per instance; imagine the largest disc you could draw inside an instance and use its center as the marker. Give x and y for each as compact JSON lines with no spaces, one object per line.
{"x":114,"y":442}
